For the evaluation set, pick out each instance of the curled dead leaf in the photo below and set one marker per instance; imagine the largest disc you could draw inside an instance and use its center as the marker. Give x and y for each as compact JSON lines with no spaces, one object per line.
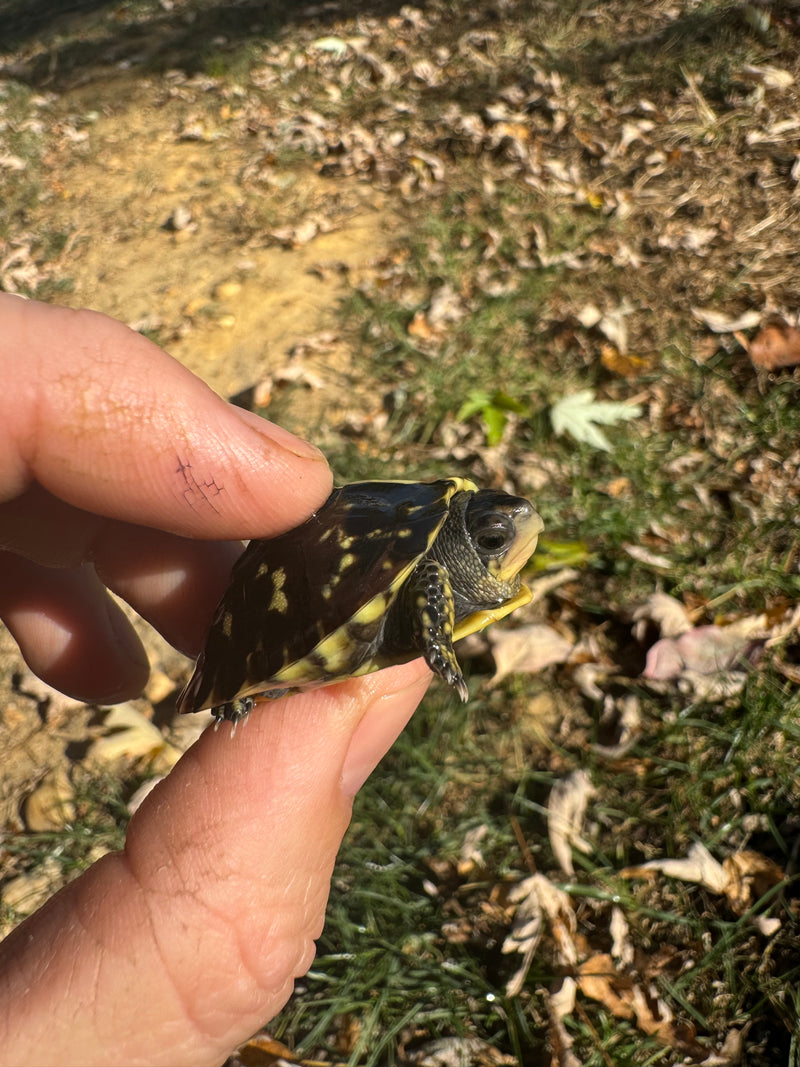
{"x":719,"y":322}
{"x":626,"y":998}
{"x":559,"y":1005}
{"x":749,"y":875}
{"x":566,"y":808}
{"x":529,"y":649}
{"x":457,"y":1052}
{"x":699,"y":866}
{"x":599,"y":980}
{"x":669,"y":615}
{"x":131,"y":735}
{"x":624,"y":364}
{"x":743,"y":878}
{"x":705,"y":650}
{"x":50,"y":806}
{"x":775,"y":346}
{"x":540,"y":904}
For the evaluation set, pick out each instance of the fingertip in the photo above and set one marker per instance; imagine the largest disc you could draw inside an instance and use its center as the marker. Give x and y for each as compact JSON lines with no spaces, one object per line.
{"x":107,"y":421}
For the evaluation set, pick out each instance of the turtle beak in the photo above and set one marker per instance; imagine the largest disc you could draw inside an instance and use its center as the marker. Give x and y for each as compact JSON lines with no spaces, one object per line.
{"x":528,"y":525}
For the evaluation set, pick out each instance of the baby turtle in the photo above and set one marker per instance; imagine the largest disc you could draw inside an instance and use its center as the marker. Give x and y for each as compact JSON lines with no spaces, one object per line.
{"x":382,"y":573}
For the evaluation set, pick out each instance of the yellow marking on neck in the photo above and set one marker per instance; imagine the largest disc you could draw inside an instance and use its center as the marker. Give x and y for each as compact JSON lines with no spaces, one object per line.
{"x":473,"y":623}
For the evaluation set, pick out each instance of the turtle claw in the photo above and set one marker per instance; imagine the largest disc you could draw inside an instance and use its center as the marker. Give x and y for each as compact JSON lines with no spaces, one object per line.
{"x":235,"y":711}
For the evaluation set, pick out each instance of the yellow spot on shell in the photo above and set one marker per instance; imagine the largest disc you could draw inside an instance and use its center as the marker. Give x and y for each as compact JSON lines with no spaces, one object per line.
{"x":279,"y":601}
{"x":347,"y":560}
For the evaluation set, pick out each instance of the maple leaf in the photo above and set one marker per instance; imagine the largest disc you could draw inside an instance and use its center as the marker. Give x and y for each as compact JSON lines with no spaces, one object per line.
{"x":580,"y":415}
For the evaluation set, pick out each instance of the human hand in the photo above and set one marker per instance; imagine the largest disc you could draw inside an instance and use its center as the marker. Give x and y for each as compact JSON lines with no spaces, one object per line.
{"x":115,"y":462}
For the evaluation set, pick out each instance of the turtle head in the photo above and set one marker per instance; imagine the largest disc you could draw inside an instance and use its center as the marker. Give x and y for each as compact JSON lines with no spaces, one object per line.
{"x":484,"y":544}
{"x":503,"y":530}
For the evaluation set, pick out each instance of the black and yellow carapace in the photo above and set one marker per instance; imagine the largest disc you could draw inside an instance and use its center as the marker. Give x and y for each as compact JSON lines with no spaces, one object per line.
{"x":382,"y":573}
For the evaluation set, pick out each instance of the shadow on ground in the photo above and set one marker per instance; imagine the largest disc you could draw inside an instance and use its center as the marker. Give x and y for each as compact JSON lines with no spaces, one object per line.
{"x":90,"y":39}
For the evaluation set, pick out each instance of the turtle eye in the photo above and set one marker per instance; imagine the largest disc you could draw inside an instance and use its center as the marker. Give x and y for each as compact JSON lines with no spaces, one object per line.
{"x":494,"y":536}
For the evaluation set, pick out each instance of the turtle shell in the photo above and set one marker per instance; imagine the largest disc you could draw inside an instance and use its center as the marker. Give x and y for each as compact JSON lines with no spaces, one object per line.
{"x":305,"y":608}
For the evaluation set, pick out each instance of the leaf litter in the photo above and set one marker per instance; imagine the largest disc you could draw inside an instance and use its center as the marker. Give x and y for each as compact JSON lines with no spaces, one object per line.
{"x":698,"y":185}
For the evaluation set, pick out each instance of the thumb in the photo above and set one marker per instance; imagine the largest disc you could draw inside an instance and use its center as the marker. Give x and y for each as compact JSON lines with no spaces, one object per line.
{"x":185,"y":944}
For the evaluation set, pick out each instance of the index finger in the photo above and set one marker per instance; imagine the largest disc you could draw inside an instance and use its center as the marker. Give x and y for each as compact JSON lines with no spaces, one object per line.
{"x":107,"y":421}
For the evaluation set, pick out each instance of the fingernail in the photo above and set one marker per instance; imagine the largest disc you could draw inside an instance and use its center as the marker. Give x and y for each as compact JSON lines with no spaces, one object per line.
{"x":278,"y":436}
{"x":377,"y":732}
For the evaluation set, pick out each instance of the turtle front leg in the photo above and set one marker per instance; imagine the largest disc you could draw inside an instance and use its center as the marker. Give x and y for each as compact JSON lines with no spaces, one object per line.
{"x":433,"y":612}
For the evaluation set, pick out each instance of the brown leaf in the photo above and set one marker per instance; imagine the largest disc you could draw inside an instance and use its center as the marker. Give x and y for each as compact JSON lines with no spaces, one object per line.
{"x":775,"y":346}
{"x":601,"y":981}
{"x":528,"y":648}
{"x":420,"y":328}
{"x":264,"y":1051}
{"x":749,"y":876}
{"x":50,"y":806}
{"x":624,"y":365}
{"x":597,"y":980}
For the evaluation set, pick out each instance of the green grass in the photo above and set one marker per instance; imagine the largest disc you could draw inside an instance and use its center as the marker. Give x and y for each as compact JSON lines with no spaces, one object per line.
{"x":724,"y":775}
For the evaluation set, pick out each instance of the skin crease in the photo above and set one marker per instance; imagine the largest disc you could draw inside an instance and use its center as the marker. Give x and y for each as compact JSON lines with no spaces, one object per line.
{"x":180,"y":947}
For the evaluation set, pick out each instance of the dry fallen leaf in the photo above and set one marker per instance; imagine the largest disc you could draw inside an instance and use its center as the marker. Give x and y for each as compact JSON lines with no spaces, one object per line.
{"x":719,"y":322}
{"x":420,"y":328}
{"x":768,"y":76}
{"x":130,"y":735}
{"x":540,"y":903}
{"x":599,"y":980}
{"x":624,"y":365}
{"x":669,"y":615}
{"x":705,"y":650}
{"x":730,"y":1055}
{"x":648,"y":558}
{"x":265,"y":1051}
{"x":622,"y":718}
{"x":457,"y":1052}
{"x":622,"y":950}
{"x":699,"y":866}
{"x":775,"y":346}
{"x":528,"y":649}
{"x":625,"y":998}
{"x":749,"y":875}
{"x":559,"y":1005}
{"x":50,"y":806}
{"x":743,"y":878}
{"x":566,"y":808}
